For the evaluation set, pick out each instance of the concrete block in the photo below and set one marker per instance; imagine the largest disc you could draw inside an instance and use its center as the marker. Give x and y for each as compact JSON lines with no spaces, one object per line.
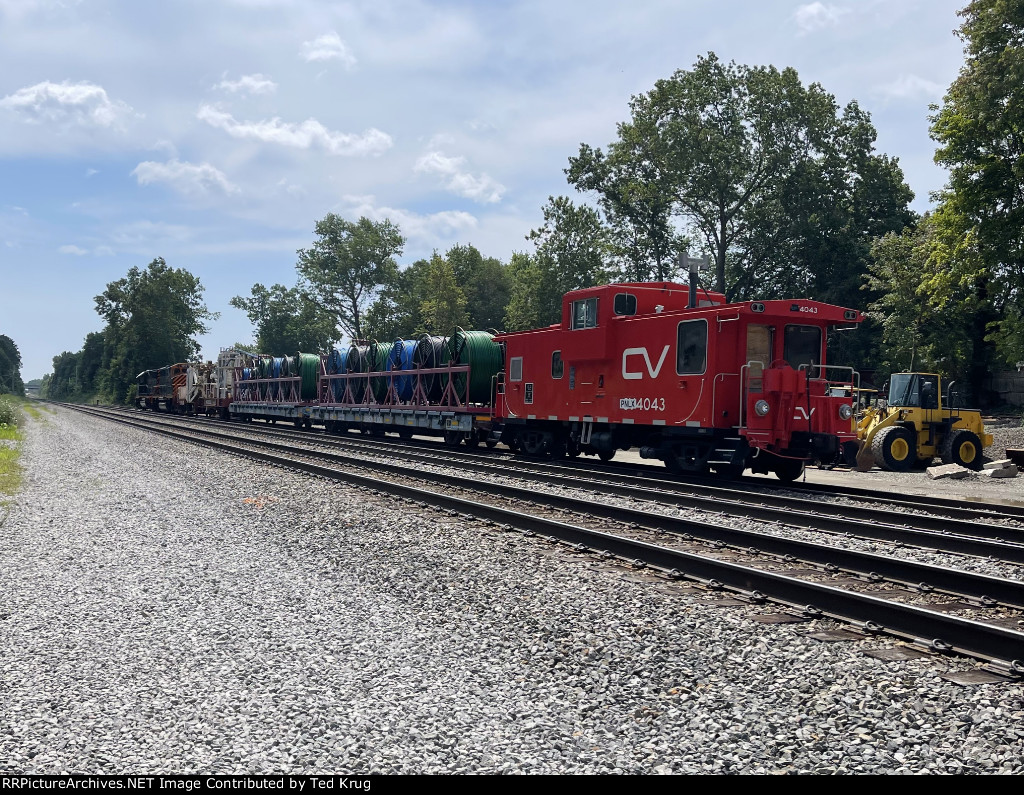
{"x":952,"y":471}
{"x":1005,"y":472}
{"x":1001,"y":464}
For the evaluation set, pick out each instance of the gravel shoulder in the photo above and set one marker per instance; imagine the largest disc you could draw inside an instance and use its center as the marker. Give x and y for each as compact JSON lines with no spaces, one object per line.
{"x":168,"y":609}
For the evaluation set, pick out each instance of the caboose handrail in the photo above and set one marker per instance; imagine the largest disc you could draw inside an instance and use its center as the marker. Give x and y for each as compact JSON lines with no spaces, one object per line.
{"x":854,"y":379}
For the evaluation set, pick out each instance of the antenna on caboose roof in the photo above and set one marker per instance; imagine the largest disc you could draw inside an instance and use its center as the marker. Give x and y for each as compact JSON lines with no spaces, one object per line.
{"x":694,"y":265}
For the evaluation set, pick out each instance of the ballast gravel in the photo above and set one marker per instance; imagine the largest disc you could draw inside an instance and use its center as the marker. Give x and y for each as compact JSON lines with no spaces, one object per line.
{"x":168,"y":609}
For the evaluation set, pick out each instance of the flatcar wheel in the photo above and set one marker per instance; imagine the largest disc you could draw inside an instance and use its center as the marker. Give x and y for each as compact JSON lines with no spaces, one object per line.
{"x":491,"y":443}
{"x":606,"y":455}
{"x":453,"y":438}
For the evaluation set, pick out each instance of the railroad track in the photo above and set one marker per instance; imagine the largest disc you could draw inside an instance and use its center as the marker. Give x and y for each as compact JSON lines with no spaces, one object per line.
{"x":984,"y":531}
{"x":938,"y":608}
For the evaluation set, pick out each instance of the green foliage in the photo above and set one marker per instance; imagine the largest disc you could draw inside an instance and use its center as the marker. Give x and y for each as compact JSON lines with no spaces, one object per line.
{"x":526,"y":305}
{"x":978,"y":131}
{"x":152,"y":317}
{"x":10,"y":367}
{"x":347,"y":265}
{"x":10,"y":420}
{"x":573,"y":250}
{"x":444,"y":305}
{"x":764,"y":172}
{"x":10,"y":412}
{"x":638,"y":205}
{"x":485,"y":283}
{"x":462,"y":288}
{"x":286,"y":321}
{"x":895,"y":276}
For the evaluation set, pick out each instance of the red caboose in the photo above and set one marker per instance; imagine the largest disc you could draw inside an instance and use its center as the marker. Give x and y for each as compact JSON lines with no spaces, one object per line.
{"x":708,"y":386}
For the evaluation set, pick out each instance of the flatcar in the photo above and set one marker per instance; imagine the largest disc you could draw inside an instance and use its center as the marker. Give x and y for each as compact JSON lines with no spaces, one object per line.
{"x":680,"y":374}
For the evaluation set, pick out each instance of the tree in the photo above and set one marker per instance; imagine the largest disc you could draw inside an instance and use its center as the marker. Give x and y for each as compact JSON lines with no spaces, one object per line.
{"x":526,"y":304}
{"x":286,"y":321}
{"x":443,"y":306}
{"x":573,"y":250}
{"x":978,"y":129}
{"x":10,"y":367}
{"x":64,"y":383}
{"x":486,"y":285}
{"x":758,"y":167}
{"x":347,"y":265}
{"x":895,"y":276}
{"x":152,"y":317}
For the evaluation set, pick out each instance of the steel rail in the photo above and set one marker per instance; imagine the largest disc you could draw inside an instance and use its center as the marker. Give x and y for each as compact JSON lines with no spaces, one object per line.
{"x":940,"y":632}
{"x":933,"y":533}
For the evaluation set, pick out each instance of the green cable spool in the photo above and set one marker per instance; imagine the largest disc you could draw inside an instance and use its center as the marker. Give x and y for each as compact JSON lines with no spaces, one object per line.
{"x":483,"y":355}
{"x":378,"y":362}
{"x":308,"y":367}
{"x":266,"y":363}
{"x":290,"y":368}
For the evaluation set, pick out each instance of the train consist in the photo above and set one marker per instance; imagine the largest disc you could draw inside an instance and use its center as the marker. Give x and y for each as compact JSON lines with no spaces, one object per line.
{"x":679,"y":374}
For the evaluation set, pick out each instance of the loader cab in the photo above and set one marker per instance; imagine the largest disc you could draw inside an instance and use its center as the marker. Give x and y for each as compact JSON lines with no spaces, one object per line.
{"x":914,"y":390}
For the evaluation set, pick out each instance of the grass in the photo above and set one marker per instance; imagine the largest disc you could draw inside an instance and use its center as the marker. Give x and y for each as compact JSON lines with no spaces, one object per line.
{"x":10,"y":436}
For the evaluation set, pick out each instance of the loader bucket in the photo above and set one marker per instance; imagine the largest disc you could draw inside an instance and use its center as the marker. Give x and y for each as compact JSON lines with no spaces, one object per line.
{"x":865,"y":458}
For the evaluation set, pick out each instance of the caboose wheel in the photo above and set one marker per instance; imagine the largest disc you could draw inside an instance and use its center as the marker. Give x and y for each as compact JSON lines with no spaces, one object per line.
{"x":728,"y":471}
{"x":788,"y":469}
{"x":533,"y":442}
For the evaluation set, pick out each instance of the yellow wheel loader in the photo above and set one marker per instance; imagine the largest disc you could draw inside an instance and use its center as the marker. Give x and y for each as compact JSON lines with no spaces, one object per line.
{"x":915,"y":423}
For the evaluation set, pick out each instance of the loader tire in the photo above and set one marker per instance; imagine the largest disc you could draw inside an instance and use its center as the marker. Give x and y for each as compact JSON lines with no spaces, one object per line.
{"x":963,"y":448}
{"x":893,"y":449}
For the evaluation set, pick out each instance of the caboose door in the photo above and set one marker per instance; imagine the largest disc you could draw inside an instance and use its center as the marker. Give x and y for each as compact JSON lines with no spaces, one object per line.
{"x":760,"y":343}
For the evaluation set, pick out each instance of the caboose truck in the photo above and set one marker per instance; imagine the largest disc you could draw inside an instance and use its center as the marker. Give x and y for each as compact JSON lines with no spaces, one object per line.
{"x":702,"y":385}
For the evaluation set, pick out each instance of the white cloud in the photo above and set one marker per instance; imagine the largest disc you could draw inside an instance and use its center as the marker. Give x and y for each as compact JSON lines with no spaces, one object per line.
{"x":89,"y":172}
{"x":78,"y":252}
{"x":248,"y":84}
{"x":480,"y":188}
{"x":815,"y":16}
{"x":328,"y":47}
{"x":167,"y":148}
{"x":146,"y":234}
{"x":306,"y":135}
{"x":428,"y":229}
{"x":78,"y":103}
{"x":20,"y":8}
{"x":911,"y":87}
{"x":186,"y":178}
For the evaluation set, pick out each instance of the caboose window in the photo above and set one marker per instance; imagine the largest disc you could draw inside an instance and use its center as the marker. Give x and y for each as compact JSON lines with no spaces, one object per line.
{"x":802,"y":346}
{"x":557,"y":365}
{"x":584,"y":313}
{"x":692,"y":347}
{"x":515,"y":368}
{"x":625,"y":304}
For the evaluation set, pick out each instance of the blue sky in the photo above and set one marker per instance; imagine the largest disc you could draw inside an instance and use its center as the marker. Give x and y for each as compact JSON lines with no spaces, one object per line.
{"x":214,"y":133}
